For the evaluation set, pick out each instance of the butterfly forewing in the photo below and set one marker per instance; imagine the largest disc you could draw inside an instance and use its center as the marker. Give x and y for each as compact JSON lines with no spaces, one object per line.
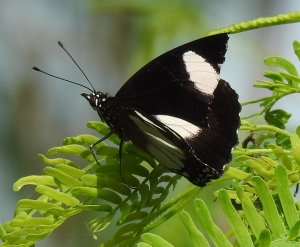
{"x":163,"y":86}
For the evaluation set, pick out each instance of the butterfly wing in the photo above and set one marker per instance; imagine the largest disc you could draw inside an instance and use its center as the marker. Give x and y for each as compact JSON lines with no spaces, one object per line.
{"x":164,"y":86}
{"x":166,"y":145}
{"x":186,"y":116}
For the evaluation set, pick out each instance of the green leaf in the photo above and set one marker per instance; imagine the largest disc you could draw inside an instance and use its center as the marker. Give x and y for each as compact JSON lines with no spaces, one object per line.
{"x":264,"y":239}
{"x":273,"y":75}
{"x":62,"y":177}
{"x":155,"y":240}
{"x":136,"y":152}
{"x":260,"y":167}
{"x":136,"y":216}
{"x":240,"y":231}
{"x":285,"y":196}
{"x":296,"y":45}
{"x":104,"y":194}
{"x":85,"y":140}
{"x":99,"y":208}
{"x":294,"y":233}
{"x":125,"y":210}
{"x":85,"y":191}
{"x":56,"y":161}
{"x":254,"y":219}
{"x":100,"y":224}
{"x":298,"y":130}
{"x":74,"y":149}
{"x":31,"y":222}
{"x":196,"y":236}
{"x":57,"y":195}
{"x":295,"y":80}
{"x":282,"y":63}
{"x":33,"y":180}
{"x":39,"y":205}
{"x":145,"y":194}
{"x":105,"y":182}
{"x":127,"y":231}
{"x":70,"y":170}
{"x":107,"y":151}
{"x":103,"y":130}
{"x":283,"y":141}
{"x":133,"y":166}
{"x":270,"y":211}
{"x":295,"y":141}
{"x":277,"y":118}
{"x":142,"y":244}
{"x":211,"y":229}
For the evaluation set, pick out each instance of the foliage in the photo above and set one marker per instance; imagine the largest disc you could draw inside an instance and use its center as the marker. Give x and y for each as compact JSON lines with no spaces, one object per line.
{"x":258,"y":204}
{"x":271,"y":224}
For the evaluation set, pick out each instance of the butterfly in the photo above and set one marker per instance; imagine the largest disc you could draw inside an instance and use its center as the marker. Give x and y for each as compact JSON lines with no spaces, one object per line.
{"x":177,"y":109}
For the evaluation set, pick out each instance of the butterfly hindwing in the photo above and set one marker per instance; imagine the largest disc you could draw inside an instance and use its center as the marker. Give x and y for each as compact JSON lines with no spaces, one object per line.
{"x":167,"y":146}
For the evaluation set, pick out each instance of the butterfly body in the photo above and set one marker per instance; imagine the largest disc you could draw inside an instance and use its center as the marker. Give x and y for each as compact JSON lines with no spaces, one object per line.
{"x":179,"y":110}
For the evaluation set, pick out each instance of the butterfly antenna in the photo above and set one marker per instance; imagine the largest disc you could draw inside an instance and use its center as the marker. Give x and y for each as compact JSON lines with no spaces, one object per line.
{"x":60,"y":78}
{"x":66,"y":51}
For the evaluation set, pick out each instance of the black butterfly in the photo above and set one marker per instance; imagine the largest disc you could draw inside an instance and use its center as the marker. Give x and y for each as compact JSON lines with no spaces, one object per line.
{"x":178,"y":109}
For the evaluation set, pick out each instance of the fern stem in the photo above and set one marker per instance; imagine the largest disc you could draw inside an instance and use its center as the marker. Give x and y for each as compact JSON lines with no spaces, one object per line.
{"x":260,"y":23}
{"x":251,"y":127}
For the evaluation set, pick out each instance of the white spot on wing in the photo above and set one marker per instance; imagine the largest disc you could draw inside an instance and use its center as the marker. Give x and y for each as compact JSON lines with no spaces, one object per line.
{"x":201,"y":72}
{"x":184,"y":128}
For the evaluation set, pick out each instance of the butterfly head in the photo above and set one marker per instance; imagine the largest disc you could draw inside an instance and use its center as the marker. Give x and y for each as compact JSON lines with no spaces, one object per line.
{"x":96,"y":99}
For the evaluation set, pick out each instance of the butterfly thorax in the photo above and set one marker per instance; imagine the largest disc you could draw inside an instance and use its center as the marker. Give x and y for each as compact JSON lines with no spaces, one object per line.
{"x":108,"y":111}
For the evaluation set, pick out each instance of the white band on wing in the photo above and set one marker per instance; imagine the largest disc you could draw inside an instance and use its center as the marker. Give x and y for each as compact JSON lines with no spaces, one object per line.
{"x":205,"y":77}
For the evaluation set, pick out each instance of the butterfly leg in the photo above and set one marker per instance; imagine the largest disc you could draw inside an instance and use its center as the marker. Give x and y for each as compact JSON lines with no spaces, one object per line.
{"x":96,"y":143}
{"x":120,"y":158}
{"x":296,"y":190}
{"x":120,"y":163}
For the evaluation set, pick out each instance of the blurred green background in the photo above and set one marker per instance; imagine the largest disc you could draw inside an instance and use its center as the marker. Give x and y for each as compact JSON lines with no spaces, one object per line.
{"x":110,"y":40}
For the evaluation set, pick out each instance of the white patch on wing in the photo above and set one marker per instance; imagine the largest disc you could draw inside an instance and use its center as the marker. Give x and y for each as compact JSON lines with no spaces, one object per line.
{"x":158,"y":145}
{"x":183,"y":128}
{"x":201,"y":72}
